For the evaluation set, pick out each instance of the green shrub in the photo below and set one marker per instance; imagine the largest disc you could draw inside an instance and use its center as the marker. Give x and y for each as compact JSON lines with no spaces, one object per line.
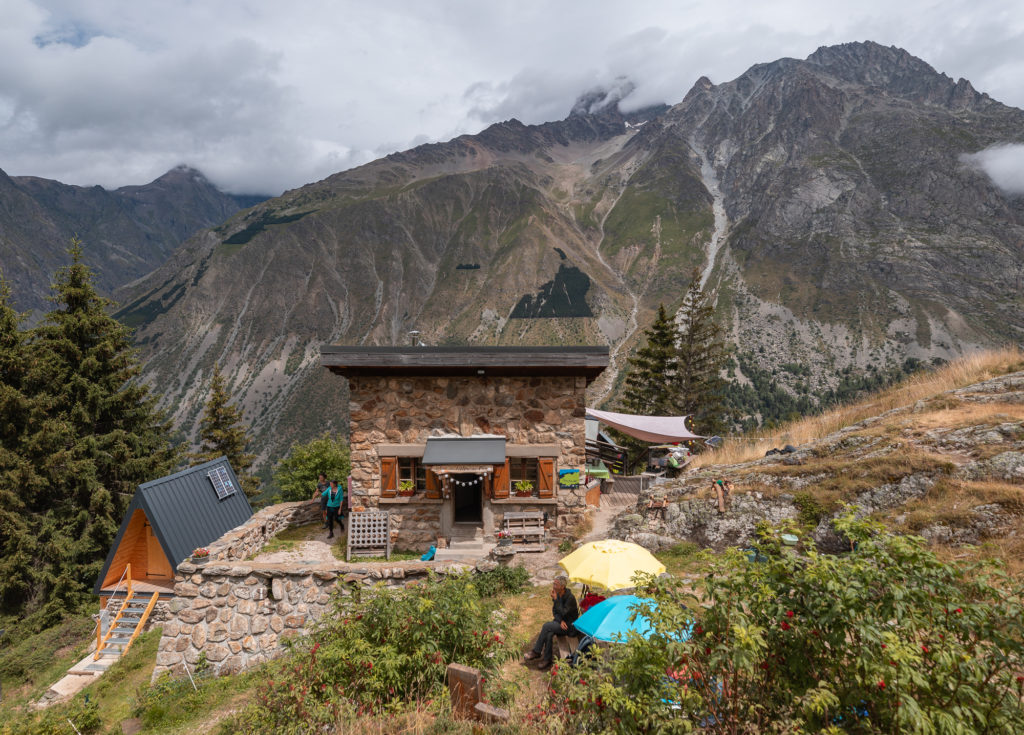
{"x":297,"y":473}
{"x":887,"y":638}
{"x":501,"y":580}
{"x":565,"y":546}
{"x":810,"y":510}
{"x":378,"y":651}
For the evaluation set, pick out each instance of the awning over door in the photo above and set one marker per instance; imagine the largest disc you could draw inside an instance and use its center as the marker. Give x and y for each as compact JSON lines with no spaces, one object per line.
{"x":464,"y":450}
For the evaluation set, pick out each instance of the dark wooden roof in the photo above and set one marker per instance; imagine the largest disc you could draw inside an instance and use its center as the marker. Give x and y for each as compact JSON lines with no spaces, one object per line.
{"x":185,"y":512}
{"x":588,"y":362}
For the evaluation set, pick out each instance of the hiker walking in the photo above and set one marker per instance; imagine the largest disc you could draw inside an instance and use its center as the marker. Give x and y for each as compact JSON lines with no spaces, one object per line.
{"x":718,"y":486}
{"x":334,"y":495}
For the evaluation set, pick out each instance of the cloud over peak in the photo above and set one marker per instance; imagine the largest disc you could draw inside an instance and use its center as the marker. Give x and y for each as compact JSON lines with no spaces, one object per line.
{"x":1003,"y":164}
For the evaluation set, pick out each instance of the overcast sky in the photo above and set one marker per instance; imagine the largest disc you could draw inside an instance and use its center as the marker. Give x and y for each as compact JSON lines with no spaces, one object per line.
{"x":266,"y":96}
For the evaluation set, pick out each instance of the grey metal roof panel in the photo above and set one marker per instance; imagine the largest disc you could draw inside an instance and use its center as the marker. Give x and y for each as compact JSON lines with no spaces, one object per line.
{"x":185,"y":512}
{"x":464,"y":450}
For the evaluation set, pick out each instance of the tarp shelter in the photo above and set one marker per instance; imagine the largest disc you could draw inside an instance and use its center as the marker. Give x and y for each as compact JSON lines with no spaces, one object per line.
{"x":169,"y":518}
{"x":657,"y":429}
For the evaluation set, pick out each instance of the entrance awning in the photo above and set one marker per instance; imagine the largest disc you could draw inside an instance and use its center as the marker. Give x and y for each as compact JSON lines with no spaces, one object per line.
{"x":464,"y":450}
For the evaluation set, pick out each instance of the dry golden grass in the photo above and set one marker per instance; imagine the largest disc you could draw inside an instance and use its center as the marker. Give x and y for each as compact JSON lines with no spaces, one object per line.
{"x":957,"y":374}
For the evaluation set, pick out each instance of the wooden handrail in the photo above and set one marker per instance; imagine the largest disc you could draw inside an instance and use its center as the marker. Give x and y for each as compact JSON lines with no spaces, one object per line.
{"x":101,"y":639}
{"x":142,"y":622}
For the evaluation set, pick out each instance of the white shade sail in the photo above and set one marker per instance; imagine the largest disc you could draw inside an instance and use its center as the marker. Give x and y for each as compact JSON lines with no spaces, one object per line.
{"x":658,"y":429}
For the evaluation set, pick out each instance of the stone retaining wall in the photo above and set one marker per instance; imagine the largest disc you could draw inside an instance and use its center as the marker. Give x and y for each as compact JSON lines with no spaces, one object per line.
{"x":239,"y":613}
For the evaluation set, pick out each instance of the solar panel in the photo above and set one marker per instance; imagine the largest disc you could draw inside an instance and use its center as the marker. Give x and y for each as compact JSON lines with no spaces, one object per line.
{"x":221,"y":482}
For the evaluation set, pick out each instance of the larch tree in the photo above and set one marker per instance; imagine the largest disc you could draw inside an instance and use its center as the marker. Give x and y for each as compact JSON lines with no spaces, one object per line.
{"x":701,"y":355}
{"x":97,"y":433}
{"x":223,"y":433}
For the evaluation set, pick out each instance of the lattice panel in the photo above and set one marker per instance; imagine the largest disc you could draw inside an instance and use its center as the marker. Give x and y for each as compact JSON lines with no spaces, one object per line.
{"x":369,"y":534}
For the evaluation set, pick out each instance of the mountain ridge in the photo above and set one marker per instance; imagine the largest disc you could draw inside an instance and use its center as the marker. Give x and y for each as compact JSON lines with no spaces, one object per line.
{"x":823,"y":200}
{"x":126,"y":232}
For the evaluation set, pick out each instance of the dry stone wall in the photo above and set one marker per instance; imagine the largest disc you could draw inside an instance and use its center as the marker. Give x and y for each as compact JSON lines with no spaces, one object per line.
{"x":239,"y":613}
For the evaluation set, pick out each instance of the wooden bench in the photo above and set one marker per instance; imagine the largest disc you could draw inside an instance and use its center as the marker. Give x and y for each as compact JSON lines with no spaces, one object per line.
{"x":525,"y":526}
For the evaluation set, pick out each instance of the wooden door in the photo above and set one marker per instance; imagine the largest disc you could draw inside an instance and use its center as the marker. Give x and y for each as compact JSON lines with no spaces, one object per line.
{"x":157,"y":565}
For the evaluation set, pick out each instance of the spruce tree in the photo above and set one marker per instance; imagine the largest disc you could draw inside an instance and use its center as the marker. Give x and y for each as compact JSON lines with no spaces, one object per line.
{"x":18,"y":546}
{"x":222,"y":433}
{"x":701,"y":354}
{"x":97,"y":433}
{"x":651,"y":379}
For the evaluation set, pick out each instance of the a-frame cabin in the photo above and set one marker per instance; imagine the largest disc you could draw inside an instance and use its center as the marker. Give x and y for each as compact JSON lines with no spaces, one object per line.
{"x":169,"y":518}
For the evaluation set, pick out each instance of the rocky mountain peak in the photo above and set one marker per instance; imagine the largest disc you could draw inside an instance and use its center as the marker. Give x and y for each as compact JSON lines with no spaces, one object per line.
{"x":892,"y":69}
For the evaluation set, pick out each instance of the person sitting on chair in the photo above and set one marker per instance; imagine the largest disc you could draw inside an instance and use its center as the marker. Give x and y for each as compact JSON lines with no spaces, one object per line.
{"x":565,"y":612}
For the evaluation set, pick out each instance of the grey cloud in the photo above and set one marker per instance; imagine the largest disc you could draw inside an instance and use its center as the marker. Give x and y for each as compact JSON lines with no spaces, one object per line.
{"x":1004,"y":164}
{"x":263,"y":96}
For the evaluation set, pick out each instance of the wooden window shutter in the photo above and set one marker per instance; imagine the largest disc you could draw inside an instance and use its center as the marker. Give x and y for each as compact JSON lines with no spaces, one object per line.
{"x":433,"y":485}
{"x":500,"y":481}
{"x":388,"y":476}
{"x":545,"y":477}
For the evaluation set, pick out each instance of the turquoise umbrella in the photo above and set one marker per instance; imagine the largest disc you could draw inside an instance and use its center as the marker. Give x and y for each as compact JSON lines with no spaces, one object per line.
{"x":610,"y":620}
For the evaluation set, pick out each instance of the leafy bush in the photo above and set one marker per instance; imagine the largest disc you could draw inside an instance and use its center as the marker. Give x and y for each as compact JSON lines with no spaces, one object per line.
{"x":297,"y":473}
{"x":501,"y":580}
{"x":884,"y":639}
{"x":378,"y":650}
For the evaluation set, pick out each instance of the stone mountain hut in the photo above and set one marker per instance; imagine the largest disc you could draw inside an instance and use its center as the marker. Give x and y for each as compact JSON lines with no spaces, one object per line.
{"x":440,"y":436}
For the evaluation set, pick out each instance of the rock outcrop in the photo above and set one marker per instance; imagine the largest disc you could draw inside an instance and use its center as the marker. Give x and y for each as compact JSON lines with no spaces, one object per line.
{"x":950,"y":469}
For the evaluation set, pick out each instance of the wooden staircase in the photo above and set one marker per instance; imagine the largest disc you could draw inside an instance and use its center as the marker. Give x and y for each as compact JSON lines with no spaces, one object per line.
{"x":115,"y":636}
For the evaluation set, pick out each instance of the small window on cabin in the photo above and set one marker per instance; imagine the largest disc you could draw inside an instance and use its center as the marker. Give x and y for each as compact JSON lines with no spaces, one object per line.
{"x":523,"y":468}
{"x":411,"y":470}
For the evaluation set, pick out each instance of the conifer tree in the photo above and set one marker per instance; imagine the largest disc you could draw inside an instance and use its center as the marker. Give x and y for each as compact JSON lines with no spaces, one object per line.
{"x":651,"y":381}
{"x":222,"y":433}
{"x":701,"y":354}
{"x":17,"y":541}
{"x":97,"y":433}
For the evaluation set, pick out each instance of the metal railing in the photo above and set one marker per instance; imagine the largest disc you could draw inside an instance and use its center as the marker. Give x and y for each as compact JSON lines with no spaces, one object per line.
{"x":101,"y":637}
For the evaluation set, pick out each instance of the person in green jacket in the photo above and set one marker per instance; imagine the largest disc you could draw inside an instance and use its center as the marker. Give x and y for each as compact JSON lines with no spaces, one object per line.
{"x":334,"y":494}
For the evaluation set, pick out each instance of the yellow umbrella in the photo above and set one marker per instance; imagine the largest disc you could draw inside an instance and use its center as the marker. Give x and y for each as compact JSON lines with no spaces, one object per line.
{"x":609,"y":564}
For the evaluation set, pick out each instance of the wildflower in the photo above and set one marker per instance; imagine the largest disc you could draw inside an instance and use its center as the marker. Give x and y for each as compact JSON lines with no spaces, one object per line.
{"x":789,"y":613}
{"x":924,"y":648}
{"x":785,"y":625}
{"x":958,"y":610}
{"x":881,"y":685}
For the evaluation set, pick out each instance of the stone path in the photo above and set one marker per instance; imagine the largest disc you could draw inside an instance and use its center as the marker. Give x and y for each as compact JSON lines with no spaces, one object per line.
{"x":316,"y":550}
{"x":544,"y":567}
